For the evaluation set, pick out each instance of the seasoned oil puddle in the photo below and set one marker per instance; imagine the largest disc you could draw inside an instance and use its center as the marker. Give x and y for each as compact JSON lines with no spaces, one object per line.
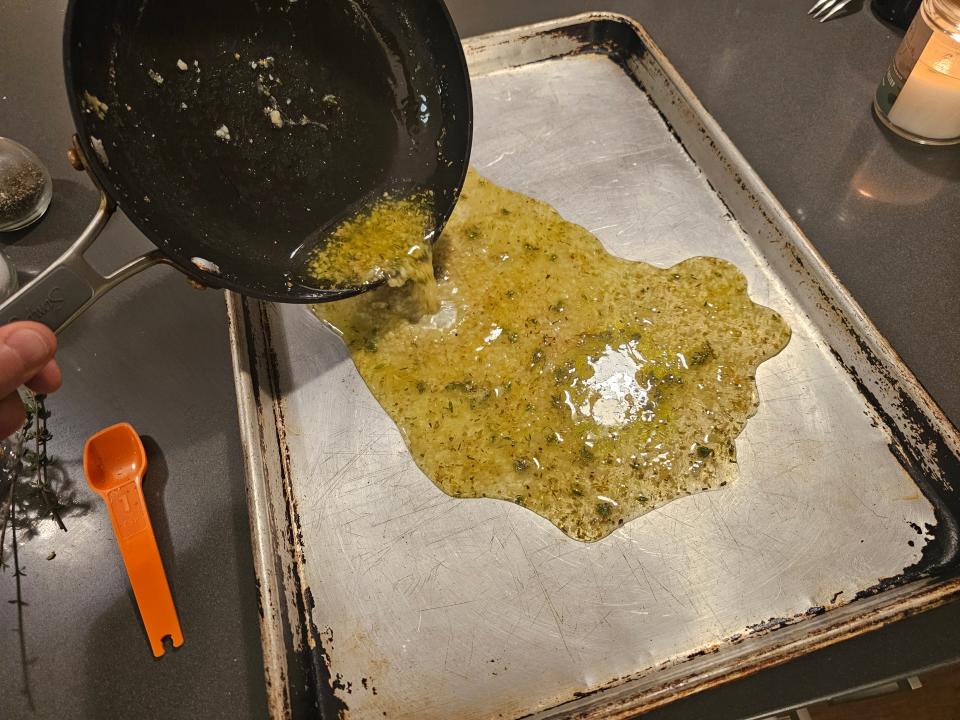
{"x":587,"y":388}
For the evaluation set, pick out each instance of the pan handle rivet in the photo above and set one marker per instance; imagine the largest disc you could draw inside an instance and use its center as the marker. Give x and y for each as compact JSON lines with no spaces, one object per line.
{"x":196,"y":285}
{"x":74,"y":157}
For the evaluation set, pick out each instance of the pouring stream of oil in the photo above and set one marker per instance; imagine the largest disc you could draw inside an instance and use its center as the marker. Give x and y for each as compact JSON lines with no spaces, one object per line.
{"x":544,"y":371}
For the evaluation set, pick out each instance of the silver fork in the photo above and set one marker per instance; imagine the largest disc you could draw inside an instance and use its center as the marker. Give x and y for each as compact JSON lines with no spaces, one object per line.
{"x":823,"y":10}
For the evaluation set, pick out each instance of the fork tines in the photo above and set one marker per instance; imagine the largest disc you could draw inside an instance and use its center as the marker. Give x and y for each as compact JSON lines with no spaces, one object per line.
{"x":823,"y":10}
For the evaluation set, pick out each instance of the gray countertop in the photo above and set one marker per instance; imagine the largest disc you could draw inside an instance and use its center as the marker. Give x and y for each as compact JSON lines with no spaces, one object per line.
{"x":794,"y":95}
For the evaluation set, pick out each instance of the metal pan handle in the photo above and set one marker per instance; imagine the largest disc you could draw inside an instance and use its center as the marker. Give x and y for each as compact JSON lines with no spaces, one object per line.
{"x":70,"y":285}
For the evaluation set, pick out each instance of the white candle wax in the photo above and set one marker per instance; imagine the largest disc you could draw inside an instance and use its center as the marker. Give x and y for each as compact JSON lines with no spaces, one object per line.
{"x":929,"y":104}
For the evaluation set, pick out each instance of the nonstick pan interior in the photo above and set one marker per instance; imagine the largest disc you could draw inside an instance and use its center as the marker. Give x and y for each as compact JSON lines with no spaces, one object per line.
{"x":236,"y":134}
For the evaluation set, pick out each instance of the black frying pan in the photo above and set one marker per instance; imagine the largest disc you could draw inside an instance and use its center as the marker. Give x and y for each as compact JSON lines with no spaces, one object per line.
{"x":290,"y":115}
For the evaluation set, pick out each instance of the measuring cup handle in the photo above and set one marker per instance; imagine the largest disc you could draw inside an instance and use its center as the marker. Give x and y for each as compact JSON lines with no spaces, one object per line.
{"x":138,"y":546}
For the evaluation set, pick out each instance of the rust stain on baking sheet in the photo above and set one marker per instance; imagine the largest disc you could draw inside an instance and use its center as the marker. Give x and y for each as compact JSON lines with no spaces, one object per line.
{"x":309,"y":655}
{"x":331,"y":704}
{"x":279,"y":683}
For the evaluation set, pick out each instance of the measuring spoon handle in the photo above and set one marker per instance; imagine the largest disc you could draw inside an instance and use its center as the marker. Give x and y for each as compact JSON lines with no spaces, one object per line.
{"x":138,"y":546}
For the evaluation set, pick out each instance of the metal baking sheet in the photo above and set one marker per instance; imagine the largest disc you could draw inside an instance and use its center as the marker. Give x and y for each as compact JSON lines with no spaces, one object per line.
{"x":381,"y":596}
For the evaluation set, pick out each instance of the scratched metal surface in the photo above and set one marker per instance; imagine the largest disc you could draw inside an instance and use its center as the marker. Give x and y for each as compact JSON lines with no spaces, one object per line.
{"x":433,"y":607}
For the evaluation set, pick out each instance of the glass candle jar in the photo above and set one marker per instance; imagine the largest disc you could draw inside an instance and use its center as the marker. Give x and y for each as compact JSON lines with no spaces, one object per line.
{"x":919,"y":96}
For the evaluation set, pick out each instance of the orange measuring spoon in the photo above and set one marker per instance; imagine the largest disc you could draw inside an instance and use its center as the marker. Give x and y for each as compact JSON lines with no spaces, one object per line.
{"x":114,"y":462}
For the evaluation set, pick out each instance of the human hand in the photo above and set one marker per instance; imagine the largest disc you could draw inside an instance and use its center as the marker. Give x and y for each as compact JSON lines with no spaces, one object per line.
{"x":26,"y":358}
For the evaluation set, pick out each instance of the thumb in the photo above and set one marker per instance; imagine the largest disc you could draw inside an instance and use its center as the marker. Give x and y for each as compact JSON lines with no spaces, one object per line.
{"x":25,"y":348}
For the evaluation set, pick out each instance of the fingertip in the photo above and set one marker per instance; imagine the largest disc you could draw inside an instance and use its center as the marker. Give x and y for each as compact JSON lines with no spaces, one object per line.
{"x":48,"y":380}
{"x":55,"y":377}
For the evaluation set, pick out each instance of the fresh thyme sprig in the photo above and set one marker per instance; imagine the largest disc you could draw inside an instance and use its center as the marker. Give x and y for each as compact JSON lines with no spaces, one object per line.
{"x":26,"y":489}
{"x":37,"y":462}
{"x":25,"y":472}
